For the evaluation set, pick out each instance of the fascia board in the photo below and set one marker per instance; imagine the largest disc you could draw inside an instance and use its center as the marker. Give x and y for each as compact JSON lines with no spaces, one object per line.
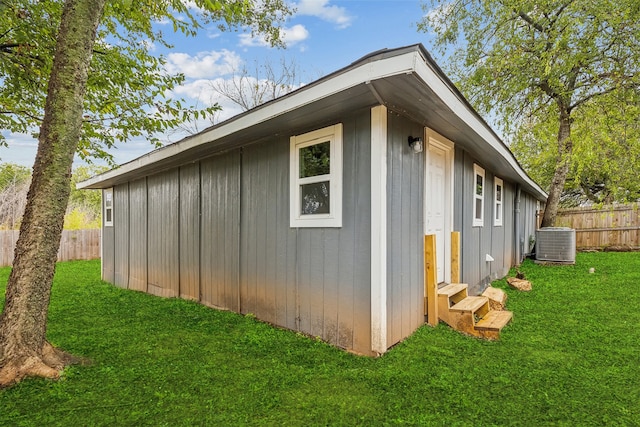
{"x":373,"y":70}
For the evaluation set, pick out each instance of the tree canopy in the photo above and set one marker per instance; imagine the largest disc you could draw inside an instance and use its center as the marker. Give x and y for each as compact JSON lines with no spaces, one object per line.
{"x":547,"y":66}
{"x":129,"y":92}
{"x":90,"y":64}
{"x":606,"y":154}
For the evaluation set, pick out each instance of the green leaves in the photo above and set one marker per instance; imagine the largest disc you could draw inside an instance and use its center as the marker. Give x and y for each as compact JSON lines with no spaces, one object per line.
{"x":531,"y":63}
{"x":129,"y":92}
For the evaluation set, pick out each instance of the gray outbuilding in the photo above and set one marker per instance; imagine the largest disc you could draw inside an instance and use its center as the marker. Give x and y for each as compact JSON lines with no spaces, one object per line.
{"x":309,"y":211}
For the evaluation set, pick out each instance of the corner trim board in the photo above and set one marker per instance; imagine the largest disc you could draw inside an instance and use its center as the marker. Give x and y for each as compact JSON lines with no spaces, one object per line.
{"x":379,"y":229}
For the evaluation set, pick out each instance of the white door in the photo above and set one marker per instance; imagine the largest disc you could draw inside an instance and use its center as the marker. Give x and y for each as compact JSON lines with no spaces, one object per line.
{"x":438,"y":200}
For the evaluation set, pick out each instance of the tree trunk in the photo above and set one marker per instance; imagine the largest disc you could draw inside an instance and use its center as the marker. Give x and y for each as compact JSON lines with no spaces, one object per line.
{"x":565,"y":149}
{"x":24,"y":350}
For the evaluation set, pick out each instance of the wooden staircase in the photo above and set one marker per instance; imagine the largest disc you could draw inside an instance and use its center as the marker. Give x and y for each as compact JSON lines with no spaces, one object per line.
{"x":471,"y":315}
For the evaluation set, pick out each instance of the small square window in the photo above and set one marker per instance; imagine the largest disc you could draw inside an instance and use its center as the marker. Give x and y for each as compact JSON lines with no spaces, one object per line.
{"x":478,"y":197}
{"x":316,"y":178}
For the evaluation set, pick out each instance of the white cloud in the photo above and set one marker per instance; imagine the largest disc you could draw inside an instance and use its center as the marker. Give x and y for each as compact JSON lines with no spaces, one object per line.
{"x":290,"y":36}
{"x":321,"y":9}
{"x":294,"y":35}
{"x":203,"y":64}
{"x":197,"y":89}
{"x":437,"y":17}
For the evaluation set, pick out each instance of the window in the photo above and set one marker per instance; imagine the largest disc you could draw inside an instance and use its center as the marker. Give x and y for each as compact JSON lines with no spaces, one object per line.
{"x":316,"y":178}
{"x":478,"y":196}
{"x":497,"y":202}
{"x":108,"y":207}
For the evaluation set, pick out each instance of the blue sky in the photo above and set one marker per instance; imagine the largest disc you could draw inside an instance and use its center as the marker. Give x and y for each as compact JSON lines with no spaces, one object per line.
{"x":321,"y":37}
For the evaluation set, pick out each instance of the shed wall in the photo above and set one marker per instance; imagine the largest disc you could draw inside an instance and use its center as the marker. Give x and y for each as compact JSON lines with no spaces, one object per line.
{"x":217,"y":231}
{"x":405,"y":219}
{"x":107,"y":249}
{"x":138,"y":243}
{"x":219,"y":237}
{"x":528,"y":223}
{"x":268,"y":245}
{"x":190,"y":232}
{"x":316,"y":280}
{"x":121,"y":235}
{"x":163,"y":223}
{"x":496,"y":241}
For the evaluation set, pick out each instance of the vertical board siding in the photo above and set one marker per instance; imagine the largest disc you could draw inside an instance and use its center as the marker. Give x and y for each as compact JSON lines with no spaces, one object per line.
{"x":219,"y":233}
{"x":509,"y":228}
{"x":138,"y":235}
{"x":190,"y":232}
{"x":316,"y":280}
{"x":502,"y":237}
{"x":405,"y":230}
{"x":163,"y":227}
{"x":268,"y":245}
{"x":107,"y":250}
{"x":355,"y":303}
{"x":528,"y":222}
{"x":497,"y":241}
{"x":121,"y":238}
{"x":486,"y":233}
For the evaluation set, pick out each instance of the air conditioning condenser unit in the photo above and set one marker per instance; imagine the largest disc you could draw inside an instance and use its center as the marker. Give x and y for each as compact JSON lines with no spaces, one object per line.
{"x":557,"y":244}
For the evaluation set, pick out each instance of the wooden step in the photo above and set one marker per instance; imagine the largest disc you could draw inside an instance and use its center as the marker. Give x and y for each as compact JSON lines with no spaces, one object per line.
{"x":494,"y":320}
{"x":452,"y":289}
{"x":470,"y":304}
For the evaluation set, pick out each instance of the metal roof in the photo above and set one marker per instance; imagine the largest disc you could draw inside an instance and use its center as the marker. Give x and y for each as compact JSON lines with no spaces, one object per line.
{"x":406,"y":80}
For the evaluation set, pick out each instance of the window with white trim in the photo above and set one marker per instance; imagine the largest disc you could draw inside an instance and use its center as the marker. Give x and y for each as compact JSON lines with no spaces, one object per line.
{"x":316,"y":178}
{"x":478,"y":196}
{"x":498,"y":194}
{"x":107,"y":196}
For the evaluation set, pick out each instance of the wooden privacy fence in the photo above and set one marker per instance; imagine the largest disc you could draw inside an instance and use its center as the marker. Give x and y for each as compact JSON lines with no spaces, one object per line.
{"x":610,"y":227}
{"x":75,"y":244}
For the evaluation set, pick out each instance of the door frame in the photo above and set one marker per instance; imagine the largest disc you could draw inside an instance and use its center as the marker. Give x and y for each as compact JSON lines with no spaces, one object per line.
{"x":433,"y":138}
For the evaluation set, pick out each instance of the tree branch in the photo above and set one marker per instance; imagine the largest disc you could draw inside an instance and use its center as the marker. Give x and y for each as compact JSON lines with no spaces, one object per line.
{"x":602,"y":92}
{"x":526,"y":18}
{"x":560,"y":10}
{"x":8,"y":47}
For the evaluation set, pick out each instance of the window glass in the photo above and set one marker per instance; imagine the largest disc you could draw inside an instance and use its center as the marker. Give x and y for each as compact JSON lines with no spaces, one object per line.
{"x":315,"y":160}
{"x":478,"y":209}
{"x":479,"y":184}
{"x":315,"y":198}
{"x":107,"y":195}
{"x":478,"y":196}
{"x":497,"y":217}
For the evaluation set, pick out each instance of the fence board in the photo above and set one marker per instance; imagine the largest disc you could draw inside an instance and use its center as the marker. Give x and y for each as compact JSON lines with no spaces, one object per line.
{"x":601,"y":228}
{"x":74,"y":244}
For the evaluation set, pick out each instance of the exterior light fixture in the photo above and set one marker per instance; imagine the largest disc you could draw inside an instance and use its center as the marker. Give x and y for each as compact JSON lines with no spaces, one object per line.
{"x":415,"y":142}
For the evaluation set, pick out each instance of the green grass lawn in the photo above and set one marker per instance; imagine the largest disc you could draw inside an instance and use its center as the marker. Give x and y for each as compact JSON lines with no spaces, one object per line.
{"x":570,"y":357}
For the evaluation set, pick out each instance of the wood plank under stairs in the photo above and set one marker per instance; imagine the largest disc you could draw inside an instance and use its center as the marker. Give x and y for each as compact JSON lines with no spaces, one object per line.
{"x":471,"y":315}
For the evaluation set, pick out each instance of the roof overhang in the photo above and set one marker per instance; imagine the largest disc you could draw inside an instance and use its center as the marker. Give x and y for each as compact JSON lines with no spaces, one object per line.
{"x":405,"y":80}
